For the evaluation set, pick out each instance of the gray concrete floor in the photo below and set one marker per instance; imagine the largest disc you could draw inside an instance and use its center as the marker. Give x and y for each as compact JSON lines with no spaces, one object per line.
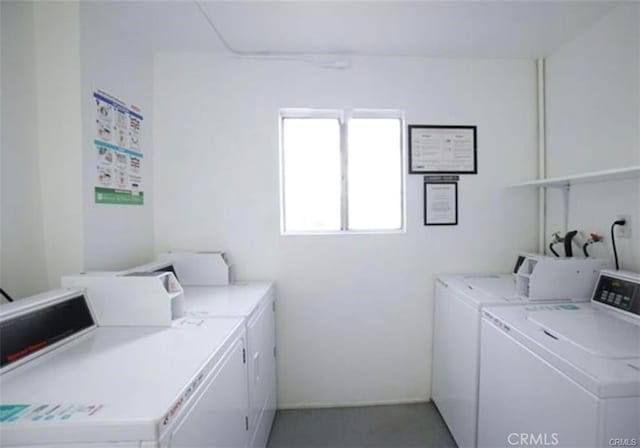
{"x":396,"y":426}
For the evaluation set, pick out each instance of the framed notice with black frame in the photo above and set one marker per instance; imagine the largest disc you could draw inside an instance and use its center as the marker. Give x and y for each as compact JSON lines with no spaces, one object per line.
{"x":439,"y":149}
{"x":441,"y":200}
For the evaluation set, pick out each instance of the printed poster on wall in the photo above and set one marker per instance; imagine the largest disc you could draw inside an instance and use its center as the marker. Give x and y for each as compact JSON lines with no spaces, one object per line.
{"x":118,"y":151}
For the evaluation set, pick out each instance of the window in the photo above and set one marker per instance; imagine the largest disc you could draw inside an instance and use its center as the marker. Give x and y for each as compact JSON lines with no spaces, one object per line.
{"x":341,"y":174}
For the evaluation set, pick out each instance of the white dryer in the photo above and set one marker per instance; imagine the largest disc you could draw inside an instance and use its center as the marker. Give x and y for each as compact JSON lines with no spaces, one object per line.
{"x":204,"y":278}
{"x":67,"y":383}
{"x":563,"y":375}
{"x":254,"y":302}
{"x":459,"y":301}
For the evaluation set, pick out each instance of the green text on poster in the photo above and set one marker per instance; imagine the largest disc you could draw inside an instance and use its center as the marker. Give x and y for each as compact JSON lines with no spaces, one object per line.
{"x":113,"y":196}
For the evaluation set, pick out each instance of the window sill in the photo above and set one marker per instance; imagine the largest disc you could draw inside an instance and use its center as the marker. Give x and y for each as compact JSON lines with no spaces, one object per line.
{"x":343,"y":232}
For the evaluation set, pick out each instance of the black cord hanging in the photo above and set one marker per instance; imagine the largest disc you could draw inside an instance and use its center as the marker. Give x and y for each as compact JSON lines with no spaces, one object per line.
{"x":619,"y":222}
{"x":5,"y":295}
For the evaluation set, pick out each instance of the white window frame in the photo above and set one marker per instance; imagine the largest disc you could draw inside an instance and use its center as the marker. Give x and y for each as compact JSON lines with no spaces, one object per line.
{"x":343,"y":116}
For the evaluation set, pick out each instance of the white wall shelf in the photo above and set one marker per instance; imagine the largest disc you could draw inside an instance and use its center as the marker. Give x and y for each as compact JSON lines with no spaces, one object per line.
{"x":565,"y":183}
{"x":632,"y":172}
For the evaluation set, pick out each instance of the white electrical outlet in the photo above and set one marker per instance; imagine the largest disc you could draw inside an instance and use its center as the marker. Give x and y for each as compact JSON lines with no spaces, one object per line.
{"x":625,"y":230}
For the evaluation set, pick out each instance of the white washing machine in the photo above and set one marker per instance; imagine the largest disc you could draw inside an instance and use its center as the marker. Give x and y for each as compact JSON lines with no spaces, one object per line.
{"x":67,"y":383}
{"x":459,"y":300}
{"x":563,"y":375}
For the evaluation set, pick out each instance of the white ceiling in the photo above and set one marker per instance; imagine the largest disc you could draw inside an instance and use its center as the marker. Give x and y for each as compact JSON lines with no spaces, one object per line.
{"x":477,"y":29}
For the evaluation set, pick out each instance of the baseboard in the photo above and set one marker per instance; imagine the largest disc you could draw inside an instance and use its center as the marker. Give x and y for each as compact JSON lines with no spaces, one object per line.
{"x":354,"y":404}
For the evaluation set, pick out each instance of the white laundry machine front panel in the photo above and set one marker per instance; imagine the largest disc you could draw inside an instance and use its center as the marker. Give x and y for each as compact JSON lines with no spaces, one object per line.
{"x":621,"y":422}
{"x":262,"y":371}
{"x":255,"y":303}
{"x":217,"y":418}
{"x":455,"y":364}
{"x":523,"y":398}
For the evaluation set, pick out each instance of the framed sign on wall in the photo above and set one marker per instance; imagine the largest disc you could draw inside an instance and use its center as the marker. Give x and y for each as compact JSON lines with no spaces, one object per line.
{"x":440,"y":149}
{"x":440,"y":202}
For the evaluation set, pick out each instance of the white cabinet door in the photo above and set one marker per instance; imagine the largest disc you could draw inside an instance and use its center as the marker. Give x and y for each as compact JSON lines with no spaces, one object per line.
{"x":455,"y":364}
{"x":219,"y":416}
{"x":262,"y":372}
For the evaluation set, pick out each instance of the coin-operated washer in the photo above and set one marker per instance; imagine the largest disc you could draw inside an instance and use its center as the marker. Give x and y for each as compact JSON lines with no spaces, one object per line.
{"x":563,"y":375}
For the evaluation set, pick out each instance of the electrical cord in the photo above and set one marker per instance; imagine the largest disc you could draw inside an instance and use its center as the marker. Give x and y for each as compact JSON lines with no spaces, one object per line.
{"x":553,"y":251}
{"x":619,"y":222}
{"x":5,"y":295}
{"x":584,"y":249}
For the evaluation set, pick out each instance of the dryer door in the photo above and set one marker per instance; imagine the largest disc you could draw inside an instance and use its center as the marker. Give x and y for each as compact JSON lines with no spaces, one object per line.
{"x":262,"y":372}
{"x":219,"y":416}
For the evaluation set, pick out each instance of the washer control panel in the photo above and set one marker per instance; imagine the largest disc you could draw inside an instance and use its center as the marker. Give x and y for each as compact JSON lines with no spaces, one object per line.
{"x":618,"y":291}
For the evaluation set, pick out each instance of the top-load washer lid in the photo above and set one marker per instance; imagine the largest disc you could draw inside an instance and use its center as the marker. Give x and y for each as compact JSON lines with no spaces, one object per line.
{"x":499,"y":286}
{"x":480,"y":290}
{"x":597,"y":333}
{"x":591,"y":346}
{"x":239,"y":299}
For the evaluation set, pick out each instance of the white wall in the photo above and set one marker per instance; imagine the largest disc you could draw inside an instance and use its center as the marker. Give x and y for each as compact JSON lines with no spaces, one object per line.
{"x":23,"y":266}
{"x":354,"y":312}
{"x":54,"y":54}
{"x":593,"y":123}
{"x":117,"y":59}
{"x":59,"y":128}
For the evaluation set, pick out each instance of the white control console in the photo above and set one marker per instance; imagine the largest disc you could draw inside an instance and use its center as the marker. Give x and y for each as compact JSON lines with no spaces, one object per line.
{"x":540,"y":277}
{"x":135,"y":299}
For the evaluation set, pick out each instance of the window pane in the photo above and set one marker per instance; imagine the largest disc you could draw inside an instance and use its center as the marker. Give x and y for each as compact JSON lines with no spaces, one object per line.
{"x":375,"y":176}
{"x":311,"y":161}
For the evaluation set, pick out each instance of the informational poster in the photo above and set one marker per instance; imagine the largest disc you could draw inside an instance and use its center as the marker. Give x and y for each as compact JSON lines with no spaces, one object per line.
{"x":118,"y":176}
{"x":441,"y":204}
{"x":442,"y":149}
